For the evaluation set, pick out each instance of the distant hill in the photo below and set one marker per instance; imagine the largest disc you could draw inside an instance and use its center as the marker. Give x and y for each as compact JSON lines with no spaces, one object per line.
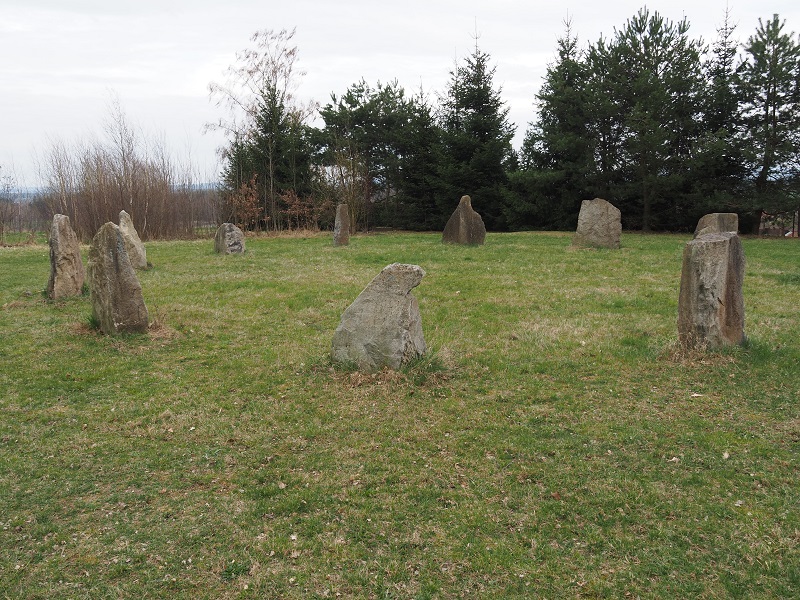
{"x":29,"y":194}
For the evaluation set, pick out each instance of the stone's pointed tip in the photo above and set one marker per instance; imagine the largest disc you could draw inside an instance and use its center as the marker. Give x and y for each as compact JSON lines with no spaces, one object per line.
{"x":397,"y":278}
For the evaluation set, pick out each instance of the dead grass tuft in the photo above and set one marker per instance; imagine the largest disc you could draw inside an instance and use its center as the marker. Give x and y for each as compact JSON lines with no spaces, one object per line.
{"x":160,"y":331}
{"x":83,"y":328}
{"x":288,"y":234}
{"x":676,"y":352}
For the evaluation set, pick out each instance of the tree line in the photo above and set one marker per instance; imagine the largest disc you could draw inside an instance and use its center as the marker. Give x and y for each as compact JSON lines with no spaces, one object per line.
{"x":659,"y":123}
{"x":650,"y":118}
{"x":91,"y":181}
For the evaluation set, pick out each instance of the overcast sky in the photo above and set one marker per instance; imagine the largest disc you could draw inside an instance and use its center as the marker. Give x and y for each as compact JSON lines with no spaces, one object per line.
{"x":62,"y":61}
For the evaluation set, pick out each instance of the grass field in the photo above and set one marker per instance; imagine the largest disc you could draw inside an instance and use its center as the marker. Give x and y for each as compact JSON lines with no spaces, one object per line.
{"x":554,"y":443}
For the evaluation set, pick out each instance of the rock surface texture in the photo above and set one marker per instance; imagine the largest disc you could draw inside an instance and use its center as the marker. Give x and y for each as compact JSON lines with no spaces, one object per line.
{"x":116,"y":294}
{"x":382,"y":327}
{"x":341,"y":227}
{"x":229,"y":239}
{"x":711,"y":304}
{"x":66,"y":267}
{"x":133,"y":245}
{"x":599,"y":225}
{"x":717,"y":223}
{"x":465,"y":226}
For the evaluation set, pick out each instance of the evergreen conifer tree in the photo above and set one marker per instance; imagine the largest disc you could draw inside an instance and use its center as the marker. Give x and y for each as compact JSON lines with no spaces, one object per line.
{"x":770,"y":86}
{"x":556,"y":154}
{"x":476,"y":141}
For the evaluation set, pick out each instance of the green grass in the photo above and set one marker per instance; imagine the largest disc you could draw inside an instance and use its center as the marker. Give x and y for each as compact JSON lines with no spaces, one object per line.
{"x":554,"y":443}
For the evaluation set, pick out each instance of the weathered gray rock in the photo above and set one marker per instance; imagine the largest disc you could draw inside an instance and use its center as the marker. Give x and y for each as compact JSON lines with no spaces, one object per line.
{"x":66,"y":267}
{"x":341,"y":228}
{"x":133,"y":245}
{"x":717,"y":223}
{"x":383,"y":327}
{"x":465,"y":225}
{"x":599,"y":225}
{"x":115,"y":292}
{"x":229,"y":239}
{"x":711,"y":304}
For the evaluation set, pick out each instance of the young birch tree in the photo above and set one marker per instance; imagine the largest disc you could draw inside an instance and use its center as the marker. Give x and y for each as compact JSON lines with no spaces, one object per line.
{"x":265,"y":120}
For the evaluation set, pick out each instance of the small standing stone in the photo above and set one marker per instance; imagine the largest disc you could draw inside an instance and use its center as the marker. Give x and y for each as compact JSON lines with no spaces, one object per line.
{"x":717,"y":223}
{"x":229,"y":239}
{"x":133,"y":245}
{"x":66,"y":267}
{"x":341,"y":228}
{"x":711,"y":304}
{"x":465,"y":225}
{"x":115,"y":292}
{"x":383,"y":326}
{"x":599,"y":225}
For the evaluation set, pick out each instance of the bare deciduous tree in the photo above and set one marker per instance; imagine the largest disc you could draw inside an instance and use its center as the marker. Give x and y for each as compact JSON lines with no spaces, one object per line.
{"x":92,"y":181}
{"x":7,"y":204}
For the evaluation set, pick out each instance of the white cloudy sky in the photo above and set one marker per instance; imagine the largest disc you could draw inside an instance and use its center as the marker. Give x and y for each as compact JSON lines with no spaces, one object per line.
{"x":61,"y":61}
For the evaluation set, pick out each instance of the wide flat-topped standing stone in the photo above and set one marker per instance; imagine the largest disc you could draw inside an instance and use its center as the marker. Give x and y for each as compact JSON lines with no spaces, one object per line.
{"x":66,"y":267}
{"x":465,"y":226}
{"x":133,"y":245}
{"x":717,"y":223}
{"x":382,"y":327}
{"x":116,"y":294}
{"x":229,"y":239}
{"x":711,"y":304}
{"x":341,"y":227}
{"x":599,"y":225}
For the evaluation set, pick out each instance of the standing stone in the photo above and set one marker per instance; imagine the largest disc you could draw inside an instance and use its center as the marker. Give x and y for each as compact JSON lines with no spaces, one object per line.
{"x":711,"y":305}
{"x":229,"y":239}
{"x":599,"y":224}
{"x":717,"y":223}
{"x":465,"y":226}
{"x":133,"y":245}
{"x":116,"y":294}
{"x":66,"y":267}
{"x":341,"y":228}
{"x":383,"y":326}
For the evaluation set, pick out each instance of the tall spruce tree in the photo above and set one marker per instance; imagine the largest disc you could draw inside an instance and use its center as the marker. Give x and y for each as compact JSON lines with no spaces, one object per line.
{"x":770,"y":86}
{"x":476,"y":141}
{"x":657,"y":80}
{"x":556,"y":155}
{"x":414,"y":206}
{"x":606,"y":119}
{"x":718,"y":167}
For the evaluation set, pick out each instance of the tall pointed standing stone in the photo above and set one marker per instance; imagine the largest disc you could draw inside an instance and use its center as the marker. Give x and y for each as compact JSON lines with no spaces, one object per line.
{"x":599,"y":225}
{"x":382,"y":327}
{"x":465,"y":225}
{"x":116,"y":294}
{"x":711,"y":304}
{"x":133,"y":245}
{"x":229,"y":239}
{"x":66,"y":267}
{"x":341,"y":228}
